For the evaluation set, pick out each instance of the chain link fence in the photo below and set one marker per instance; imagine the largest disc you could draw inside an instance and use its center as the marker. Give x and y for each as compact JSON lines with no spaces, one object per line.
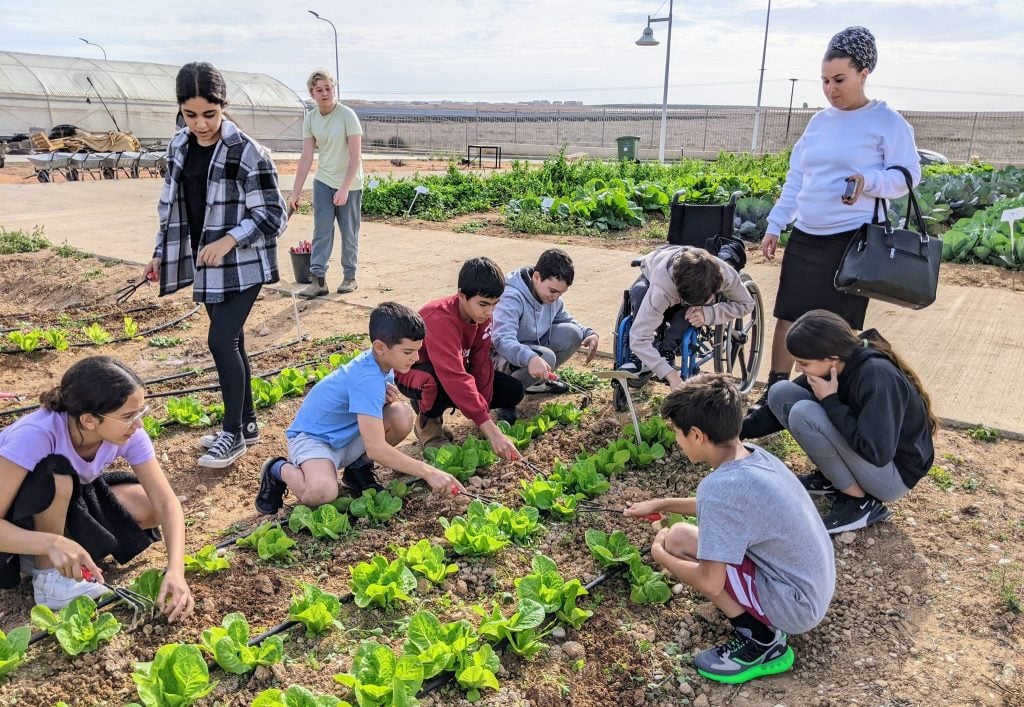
{"x":692,"y":132}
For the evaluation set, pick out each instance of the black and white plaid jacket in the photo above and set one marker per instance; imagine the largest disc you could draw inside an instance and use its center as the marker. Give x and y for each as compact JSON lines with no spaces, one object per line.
{"x":242,"y":200}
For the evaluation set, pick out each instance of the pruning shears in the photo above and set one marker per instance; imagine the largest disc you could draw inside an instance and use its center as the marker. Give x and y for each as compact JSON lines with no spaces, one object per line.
{"x":552,"y":376}
{"x":589,"y":507}
{"x":139,"y":603}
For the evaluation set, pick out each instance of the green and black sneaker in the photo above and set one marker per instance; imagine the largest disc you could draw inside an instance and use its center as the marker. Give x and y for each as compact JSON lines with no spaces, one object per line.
{"x":741,"y":658}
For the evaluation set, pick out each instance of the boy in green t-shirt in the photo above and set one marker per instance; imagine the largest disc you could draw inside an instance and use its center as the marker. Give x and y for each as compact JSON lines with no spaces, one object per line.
{"x":334,"y":131}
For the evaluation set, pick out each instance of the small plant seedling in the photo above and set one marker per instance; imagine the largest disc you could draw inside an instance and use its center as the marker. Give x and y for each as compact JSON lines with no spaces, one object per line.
{"x":96,"y":334}
{"x":131,"y":327}
{"x":177,"y":676}
{"x":164,"y":342}
{"x":206,"y":561}
{"x":12,"y":649}
{"x":228,"y":644}
{"x":153,"y":427}
{"x":270,"y":542}
{"x":941,"y":477}
{"x":27,"y":341}
{"x":57,"y":338}
{"x":982,"y":433}
{"x":315,"y":609}
{"x":77,"y":626}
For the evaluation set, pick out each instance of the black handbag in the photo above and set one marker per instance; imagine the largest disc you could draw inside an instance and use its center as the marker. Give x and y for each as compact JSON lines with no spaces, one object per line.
{"x":891,"y":264}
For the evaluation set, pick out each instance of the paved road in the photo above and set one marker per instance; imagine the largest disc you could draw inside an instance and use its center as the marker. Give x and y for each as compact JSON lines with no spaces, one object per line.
{"x":968,"y":346}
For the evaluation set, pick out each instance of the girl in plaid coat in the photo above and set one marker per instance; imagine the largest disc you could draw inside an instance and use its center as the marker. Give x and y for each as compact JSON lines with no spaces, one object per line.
{"x":220,"y":215}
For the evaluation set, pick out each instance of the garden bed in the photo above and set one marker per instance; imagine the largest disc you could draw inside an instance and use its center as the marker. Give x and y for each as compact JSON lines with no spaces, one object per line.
{"x":924,"y":612}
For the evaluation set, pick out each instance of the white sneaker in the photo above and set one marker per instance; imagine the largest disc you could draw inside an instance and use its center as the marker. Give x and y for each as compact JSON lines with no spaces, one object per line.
{"x":56,"y":591}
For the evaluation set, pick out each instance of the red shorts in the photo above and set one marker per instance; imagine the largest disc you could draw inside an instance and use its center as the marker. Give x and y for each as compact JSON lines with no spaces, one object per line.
{"x":740,"y":584}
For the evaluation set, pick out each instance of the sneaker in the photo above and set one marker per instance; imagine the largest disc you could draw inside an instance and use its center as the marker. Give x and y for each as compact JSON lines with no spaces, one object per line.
{"x":849,"y":513}
{"x":430,"y":432}
{"x":347,"y":285}
{"x":636,"y":369}
{"x":250,"y":433}
{"x":509,"y":415}
{"x":270,"y":497}
{"x":359,"y":476}
{"x":773,"y":378}
{"x":223,"y":452}
{"x":549,"y":387}
{"x":816,"y":483}
{"x":56,"y":591}
{"x":317,"y":287}
{"x":741,"y":658}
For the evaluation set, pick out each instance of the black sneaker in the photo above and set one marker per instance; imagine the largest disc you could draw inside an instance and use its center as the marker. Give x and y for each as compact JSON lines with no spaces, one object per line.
{"x":554,"y":387}
{"x":227,"y":448}
{"x":359,"y":476}
{"x":816,"y":483}
{"x":270,"y":497}
{"x":849,"y":513}
{"x":741,"y":658}
{"x":250,"y":433}
{"x":509,"y":415}
{"x":633,"y":366}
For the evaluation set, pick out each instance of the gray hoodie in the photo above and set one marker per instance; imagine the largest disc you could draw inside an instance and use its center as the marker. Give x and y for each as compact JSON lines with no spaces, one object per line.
{"x":520,"y":319}
{"x":662,"y":294}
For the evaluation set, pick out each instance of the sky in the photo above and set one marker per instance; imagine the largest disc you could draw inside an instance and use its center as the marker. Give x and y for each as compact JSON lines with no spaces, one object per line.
{"x":933,"y":54}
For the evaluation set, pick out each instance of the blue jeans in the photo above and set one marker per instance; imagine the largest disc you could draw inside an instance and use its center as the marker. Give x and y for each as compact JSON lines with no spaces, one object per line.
{"x":324,"y":215}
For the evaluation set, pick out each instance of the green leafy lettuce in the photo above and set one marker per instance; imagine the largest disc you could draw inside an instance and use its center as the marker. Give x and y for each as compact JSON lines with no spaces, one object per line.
{"x":381,"y":583}
{"x":229,"y":646}
{"x":379,"y":678}
{"x":176,"y":677}
{"x":77,"y":627}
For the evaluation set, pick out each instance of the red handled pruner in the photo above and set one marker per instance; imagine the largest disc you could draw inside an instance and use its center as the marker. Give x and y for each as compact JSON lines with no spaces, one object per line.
{"x":552,"y":376}
{"x":588,"y":507}
{"x":138,"y":602}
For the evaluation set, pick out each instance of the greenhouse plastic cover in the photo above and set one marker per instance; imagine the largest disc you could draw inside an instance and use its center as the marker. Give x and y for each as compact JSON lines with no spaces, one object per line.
{"x":39,"y":91}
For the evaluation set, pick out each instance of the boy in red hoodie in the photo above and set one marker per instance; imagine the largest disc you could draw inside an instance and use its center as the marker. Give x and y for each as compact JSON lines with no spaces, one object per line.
{"x":455,"y":369}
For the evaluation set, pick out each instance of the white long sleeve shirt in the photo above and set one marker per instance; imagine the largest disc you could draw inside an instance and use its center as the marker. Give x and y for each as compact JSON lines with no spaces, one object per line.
{"x":838,"y":144}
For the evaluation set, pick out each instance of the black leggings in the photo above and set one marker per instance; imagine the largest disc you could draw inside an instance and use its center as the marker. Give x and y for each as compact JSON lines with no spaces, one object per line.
{"x":226,"y":340}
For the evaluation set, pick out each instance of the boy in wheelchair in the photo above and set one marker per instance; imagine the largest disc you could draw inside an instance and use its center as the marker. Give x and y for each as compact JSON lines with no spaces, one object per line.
{"x":680,"y":286}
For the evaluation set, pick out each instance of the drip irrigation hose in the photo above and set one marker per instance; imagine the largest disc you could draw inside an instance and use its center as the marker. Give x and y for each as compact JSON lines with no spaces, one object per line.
{"x":78,"y":320}
{"x":106,"y":601}
{"x":147,"y":332}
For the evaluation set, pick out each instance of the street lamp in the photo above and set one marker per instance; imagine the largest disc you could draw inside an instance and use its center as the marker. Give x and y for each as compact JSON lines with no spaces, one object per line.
{"x":96,"y":45}
{"x":647,"y":40}
{"x":760,"y":81}
{"x":789,"y":114}
{"x":337,"y":65}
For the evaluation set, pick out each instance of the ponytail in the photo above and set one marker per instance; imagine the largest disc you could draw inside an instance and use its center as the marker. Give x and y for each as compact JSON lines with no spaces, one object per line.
{"x":820,"y":334}
{"x":52,"y":400}
{"x":872,"y":338}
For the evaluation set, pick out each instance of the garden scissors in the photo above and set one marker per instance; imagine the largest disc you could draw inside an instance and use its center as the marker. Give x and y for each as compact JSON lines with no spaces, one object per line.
{"x":128,"y":290}
{"x":589,"y":507}
{"x":140,"y":604}
{"x":571,"y":386}
{"x":485,"y":499}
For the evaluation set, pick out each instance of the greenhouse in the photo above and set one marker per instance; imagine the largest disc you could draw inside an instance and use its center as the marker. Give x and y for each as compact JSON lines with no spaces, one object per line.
{"x":38,"y":92}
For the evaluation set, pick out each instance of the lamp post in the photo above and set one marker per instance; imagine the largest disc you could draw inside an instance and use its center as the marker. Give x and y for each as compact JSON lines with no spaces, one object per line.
{"x":96,"y":45}
{"x":337,"y":65}
{"x":760,"y":81}
{"x":647,"y":40}
{"x":789,"y":114}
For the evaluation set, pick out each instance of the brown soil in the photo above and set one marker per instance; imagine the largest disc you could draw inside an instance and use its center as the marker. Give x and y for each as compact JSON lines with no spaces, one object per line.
{"x":923,"y":612}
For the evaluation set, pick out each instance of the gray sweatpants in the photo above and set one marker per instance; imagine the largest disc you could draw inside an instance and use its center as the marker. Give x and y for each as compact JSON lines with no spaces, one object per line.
{"x":325,"y":213}
{"x":801,"y":413}
{"x":556,"y":347}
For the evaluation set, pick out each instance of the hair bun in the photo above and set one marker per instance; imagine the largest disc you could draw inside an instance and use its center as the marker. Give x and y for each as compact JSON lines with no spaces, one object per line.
{"x":53,"y":400}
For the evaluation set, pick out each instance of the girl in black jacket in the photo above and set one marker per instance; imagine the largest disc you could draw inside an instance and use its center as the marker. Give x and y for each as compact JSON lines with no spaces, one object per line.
{"x":858,"y":411}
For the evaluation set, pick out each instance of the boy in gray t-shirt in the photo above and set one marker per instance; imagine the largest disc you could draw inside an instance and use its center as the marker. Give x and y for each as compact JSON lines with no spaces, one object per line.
{"x":761,"y":555}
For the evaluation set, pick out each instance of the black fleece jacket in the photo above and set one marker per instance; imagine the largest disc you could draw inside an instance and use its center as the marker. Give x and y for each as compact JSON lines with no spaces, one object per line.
{"x":877,"y":410}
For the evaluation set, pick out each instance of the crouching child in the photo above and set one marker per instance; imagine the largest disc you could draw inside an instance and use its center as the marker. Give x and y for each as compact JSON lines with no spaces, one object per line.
{"x":760,"y":552}
{"x":351,"y":419}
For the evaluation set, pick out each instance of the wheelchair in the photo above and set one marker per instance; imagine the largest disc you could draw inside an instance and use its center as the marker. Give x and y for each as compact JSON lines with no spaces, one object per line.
{"x":734,"y":348}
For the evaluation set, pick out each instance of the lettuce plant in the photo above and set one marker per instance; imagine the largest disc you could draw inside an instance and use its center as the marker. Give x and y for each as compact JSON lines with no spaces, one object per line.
{"x":381,"y":583}
{"x":315,"y":609}
{"x":153,"y":427}
{"x":438,"y":647}
{"x":582,"y":477}
{"x":549,"y":495}
{"x":521,"y":631}
{"x":377,"y":506}
{"x":187,"y":411}
{"x":519,"y":525}
{"x":428,"y":561}
{"x":206,"y":561}
{"x":57,"y":338}
{"x":479,"y":671}
{"x":270,"y":543}
{"x":264,"y":393}
{"x":461,"y":461}
{"x":610,"y":459}
{"x":176,"y":677}
{"x":562,"y":413}
{"x":653,"y":431}
{"x":324,"y":522}
{"x":26,"y":341}
{"x":477,"y":536}
{"x":77,"y":627}
{"x":647,"y":586}
{"x":545,"y":586}
{"x":643,"y":454}
{"x":131,"y":327}
{"x":12,"y":649}
{"x":148,"y":583}
{"x":379,"y":678}
{"x":296,"y":696}
{"x":611,"y":549}
{"x":228,"y":644}
{"x":96,"y":334}
{"x":292,"y":382}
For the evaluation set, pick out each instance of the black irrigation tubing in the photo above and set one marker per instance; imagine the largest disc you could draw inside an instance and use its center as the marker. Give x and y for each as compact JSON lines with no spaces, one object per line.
{"x":213,"y":366}
{"x":78,"y":320}
{"x":106,"y":601}
{"x":147,"y":332}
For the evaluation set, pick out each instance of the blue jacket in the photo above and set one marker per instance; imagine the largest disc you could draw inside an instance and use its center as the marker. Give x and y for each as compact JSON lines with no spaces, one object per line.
{"x":521,"y":319}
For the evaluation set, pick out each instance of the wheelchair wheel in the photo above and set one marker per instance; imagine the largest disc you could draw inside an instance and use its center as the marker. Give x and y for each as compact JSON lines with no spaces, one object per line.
{"x":619,"y":397}
{"x":740,"y":343}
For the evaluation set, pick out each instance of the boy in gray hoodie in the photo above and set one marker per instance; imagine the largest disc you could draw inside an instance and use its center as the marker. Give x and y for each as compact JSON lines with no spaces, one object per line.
{"x":533,"y":334}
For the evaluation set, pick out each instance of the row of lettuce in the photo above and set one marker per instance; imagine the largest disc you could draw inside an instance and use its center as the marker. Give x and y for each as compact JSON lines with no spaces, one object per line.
{"x":963,"y":203}
{"x":180,"y":675}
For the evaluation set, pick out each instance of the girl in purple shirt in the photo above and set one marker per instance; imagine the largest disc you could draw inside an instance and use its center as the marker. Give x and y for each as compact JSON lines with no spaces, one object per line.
{"x":59,"y":507}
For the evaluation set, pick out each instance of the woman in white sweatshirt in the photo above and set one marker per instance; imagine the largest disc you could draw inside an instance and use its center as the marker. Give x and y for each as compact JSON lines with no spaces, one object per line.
{"x":853,"y":139}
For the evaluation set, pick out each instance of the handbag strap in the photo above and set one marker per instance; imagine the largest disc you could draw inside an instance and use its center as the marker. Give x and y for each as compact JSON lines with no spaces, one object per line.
{"x":912,"y":204}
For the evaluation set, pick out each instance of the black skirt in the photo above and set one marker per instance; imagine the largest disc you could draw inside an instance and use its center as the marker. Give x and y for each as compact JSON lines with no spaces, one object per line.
{"x":95,"y":520}
{"x":807,"y":280}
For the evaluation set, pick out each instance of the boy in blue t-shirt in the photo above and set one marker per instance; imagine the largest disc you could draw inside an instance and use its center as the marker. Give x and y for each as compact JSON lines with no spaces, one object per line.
{"x":761,"y":554}
{"x":351,"y":419}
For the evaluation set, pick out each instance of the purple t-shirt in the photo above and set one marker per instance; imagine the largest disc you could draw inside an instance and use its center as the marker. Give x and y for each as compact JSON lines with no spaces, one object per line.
{"x":43,"y":433}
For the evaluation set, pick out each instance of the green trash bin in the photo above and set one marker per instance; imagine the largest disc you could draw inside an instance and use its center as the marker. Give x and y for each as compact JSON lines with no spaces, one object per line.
{"x":627,"y":146}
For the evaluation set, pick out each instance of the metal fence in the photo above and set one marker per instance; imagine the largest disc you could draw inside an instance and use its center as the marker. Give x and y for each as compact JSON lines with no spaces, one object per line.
{"x":992,"y":137}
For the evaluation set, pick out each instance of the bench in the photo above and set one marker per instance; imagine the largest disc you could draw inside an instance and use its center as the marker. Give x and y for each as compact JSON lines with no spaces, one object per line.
{"x":495,"y":149}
